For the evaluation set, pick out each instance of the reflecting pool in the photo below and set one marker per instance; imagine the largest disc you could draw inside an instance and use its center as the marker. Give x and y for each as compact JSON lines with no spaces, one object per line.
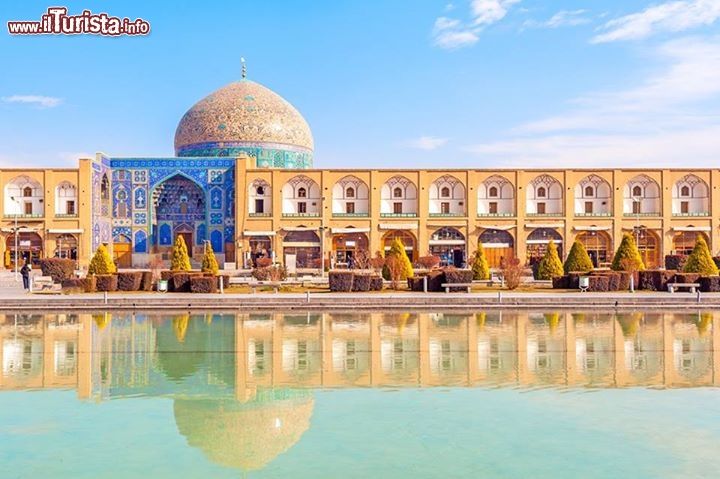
{"x":315,"y":395}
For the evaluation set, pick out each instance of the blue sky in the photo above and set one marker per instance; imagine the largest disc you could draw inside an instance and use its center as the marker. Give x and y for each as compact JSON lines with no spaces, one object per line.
{"x":383,"y":84}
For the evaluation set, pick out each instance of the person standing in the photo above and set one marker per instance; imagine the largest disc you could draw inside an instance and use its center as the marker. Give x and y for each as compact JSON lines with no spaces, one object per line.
{"x":25,"y":272}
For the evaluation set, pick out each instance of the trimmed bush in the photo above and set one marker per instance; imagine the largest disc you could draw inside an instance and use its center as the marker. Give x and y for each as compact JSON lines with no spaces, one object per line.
{"x":225,"y":278}
{"x":167,"y":275}
{"x":550,"y":266}
{"x":101,"y":262}
{"x":181,"y":282}
{"x":613,"y":279}
{"x":686,"y":278}
{"x":180,"y":259}
{"x":146,"y":283}
{"x":106,"y":282}
{"x":361,"y":282}
{"x":376,"y":283}
{"x":598,"y":283}
{"x":203,"y":284}
{"x":710,"y":284}
{"x":270,"y":273}
{"x":340,"y":281}
{"x":129,"y":281}
{"x":655,"y":280}
{"x":675,"y":261}
{"x":90,"y":283}
{"x":625,"y":280}
{"x":577,"y":259}
{"x":453,"y":275}
{"x":627,"y":257}
{"x":73,"y":285}
{"x":209,"y":261}
{"x":561,"y":282}
{"x":480,"y":267}
{"x":574,"y":279}
{"x":59,"y":269}
{"x":700,"y":260}
{"x":263,"y":262}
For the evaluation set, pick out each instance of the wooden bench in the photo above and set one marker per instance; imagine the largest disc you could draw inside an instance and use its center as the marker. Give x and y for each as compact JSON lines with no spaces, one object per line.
{"x":447,"y":286}
{"x":45,"y":284}
{"x":692,"y":287}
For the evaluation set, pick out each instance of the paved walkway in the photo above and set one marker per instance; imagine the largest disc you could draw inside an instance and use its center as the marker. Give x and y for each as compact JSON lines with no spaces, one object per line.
{"x":13,"y":298}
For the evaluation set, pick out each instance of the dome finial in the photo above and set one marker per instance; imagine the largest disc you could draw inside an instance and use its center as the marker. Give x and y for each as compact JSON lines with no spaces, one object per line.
{"x":243,"y":72}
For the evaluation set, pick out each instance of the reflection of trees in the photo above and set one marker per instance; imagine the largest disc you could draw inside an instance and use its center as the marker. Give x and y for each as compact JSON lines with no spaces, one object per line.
{"x":629,"y":323}
{"x":187,"y":343}
{"x":245,"y":436}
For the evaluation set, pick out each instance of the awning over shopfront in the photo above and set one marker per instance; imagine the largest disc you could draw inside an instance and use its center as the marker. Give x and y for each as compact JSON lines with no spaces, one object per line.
{"x":398,"y":226}
{"x":496,"y":227}
{"x":349,"y":230}
{"x":75,"y":231}
{"x":692,"y":228}
{"x":544,"y":225}
{"x":592,"y":228}
{"x":258,"y":233}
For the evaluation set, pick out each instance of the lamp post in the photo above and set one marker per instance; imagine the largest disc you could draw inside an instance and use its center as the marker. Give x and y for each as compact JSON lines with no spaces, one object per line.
{"x":322,"y":250}
{"x":16,"y":236}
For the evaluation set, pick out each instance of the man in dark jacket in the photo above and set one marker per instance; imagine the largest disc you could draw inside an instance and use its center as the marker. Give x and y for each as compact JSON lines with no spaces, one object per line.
{"x":25,"y":272}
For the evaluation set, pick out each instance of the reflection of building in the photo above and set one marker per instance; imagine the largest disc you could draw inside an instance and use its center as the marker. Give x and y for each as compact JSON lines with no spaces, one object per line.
{"x":242,"y":179}
{"x":241,"y":357}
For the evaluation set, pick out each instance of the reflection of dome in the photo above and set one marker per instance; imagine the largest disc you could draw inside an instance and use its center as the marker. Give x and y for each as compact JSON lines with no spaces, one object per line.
{"x":246,"y":117}
{"x":244,"y":435}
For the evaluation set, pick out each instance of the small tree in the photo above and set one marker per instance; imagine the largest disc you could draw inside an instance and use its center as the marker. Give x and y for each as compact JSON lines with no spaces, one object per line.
{"x":394,"y":268}
{"x":101,"y":262}
{"x":480,"y":267}
{"x":577,"y":259}
{"x":512,"y":272}
{"x":700,"y":260}
{"x":405,"y":270}
{"x":550,"y":266}
{"x":627,"y":257}
{"x":209,"y":262}
{"x":180,"y":260}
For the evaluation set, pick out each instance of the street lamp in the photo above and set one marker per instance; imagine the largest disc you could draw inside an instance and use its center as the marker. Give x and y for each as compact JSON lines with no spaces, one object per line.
{"x":637,"y":203}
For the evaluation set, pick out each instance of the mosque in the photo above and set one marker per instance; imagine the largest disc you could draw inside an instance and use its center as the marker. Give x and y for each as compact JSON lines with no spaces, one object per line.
{"x":242,"y":179}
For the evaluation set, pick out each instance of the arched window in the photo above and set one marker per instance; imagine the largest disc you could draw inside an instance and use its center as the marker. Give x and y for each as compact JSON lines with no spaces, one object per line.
{"x":685,"y":191}
{"x":27,"y":191}
{"x":350,"y":193}
{"x":302,"y":192}
{"x":397,"y":192}
{"x":104,"y":188}
{"x":493,"y":192}
{"x":445,"y":192}
{"x":589,"y":191}
{"x":637,"y":190}
{"x":260,"y":190}
{"x":541,"y":192}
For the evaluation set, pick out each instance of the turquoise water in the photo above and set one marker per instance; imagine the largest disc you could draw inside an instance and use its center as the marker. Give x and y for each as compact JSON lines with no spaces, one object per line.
{"x":320,"y":395}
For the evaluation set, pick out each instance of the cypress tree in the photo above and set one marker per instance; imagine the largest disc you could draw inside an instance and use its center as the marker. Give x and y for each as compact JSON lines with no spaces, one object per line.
{"x":577,"y":259}
{"x":550,"y":265}
{"x":398,"y":249}
{"x":209,"y":261}
{"x":700,"y":260}
{"x":480,"y":267}
{"x":627,"y":257}
{"x":180,"y":259}
{"x":101,"y":262}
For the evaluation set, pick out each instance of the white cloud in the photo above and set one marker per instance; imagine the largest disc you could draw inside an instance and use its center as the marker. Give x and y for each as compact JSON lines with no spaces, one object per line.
{"x":563,"y":18}
{"x":450,"y":33}
{"x":426,"y":143}
{"x":670,"y":119}
{"x":674,"y":16}
{"x":42,"y":101}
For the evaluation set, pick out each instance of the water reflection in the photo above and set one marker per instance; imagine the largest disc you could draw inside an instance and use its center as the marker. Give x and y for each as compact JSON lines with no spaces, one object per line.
{"x":242,"y":385}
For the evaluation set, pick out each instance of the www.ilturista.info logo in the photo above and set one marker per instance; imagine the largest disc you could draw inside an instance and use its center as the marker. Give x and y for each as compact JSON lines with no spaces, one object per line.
{"x":57,"y":22}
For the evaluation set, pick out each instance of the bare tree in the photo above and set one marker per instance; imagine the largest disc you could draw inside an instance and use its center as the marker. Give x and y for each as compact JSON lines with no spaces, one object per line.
{"x":512,"y":272}
{"x":395,"y":268}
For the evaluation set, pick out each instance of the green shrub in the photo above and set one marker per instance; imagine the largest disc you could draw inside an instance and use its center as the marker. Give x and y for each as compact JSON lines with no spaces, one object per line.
{"x":180,"y":259}
{"x":101,"y":262}
{"x":627,"y":257}
{"x":480,"y":267}
{"x":209,"y":262}
{"x":404,"y":268}
{"x":550,"y":266}
{"x":577,"y":259}
{"x":700,"y":260}
{"x":361,"y":282}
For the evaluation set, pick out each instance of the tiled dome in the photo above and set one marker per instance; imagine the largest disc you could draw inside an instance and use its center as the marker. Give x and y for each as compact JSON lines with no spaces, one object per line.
{"x":243,"y":116}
